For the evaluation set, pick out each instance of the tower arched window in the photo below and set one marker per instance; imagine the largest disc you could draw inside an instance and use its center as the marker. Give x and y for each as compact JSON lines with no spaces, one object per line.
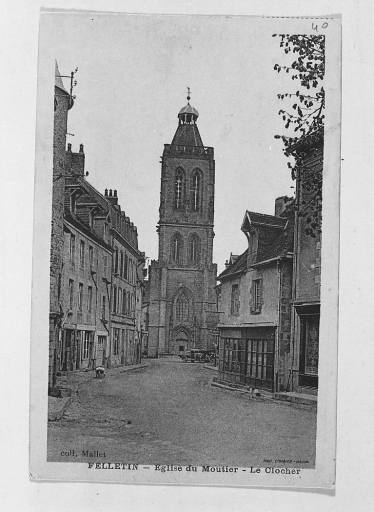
{"x":182,"y":308}
{"x":177,"y":248}
{"x":196,"y":191}
{"x":194,"y":248}
{"x":178,"y":190}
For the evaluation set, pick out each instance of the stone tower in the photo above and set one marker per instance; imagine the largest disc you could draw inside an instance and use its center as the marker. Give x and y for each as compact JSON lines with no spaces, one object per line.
{"x":63,"y":102}
{"x":182,"y":280}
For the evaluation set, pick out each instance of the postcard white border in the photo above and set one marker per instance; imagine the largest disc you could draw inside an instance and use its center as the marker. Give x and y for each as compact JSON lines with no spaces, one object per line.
{"x":323,"y":476}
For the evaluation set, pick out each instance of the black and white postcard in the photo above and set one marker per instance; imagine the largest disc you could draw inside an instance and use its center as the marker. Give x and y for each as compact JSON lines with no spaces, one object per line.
{"x":186,"y":243}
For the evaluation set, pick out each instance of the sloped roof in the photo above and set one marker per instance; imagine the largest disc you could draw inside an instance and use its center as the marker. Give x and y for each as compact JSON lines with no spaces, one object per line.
{"x":187,"y":135}
{"x":188,"y":110}
{"x":280,"y":247}
{"x":261,"y":219}
{"x":238,"y":266}
{"x":58,"y":79}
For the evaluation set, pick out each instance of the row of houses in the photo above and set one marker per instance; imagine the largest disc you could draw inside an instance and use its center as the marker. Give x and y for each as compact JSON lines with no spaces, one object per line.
{"x":96,"y":267}
{"x":268,"y":298}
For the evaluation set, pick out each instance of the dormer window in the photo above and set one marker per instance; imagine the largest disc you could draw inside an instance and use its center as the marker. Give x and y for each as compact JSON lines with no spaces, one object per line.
{"x":91,"y":218}
{"x":73,"y":204}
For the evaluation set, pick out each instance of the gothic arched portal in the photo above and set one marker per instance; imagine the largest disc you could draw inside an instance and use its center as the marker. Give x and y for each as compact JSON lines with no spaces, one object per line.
{"x":180,"y":341}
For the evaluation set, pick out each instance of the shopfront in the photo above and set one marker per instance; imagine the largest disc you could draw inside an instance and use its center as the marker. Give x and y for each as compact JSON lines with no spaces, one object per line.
{"x":246,"y":357}
{"x":309,"y":316}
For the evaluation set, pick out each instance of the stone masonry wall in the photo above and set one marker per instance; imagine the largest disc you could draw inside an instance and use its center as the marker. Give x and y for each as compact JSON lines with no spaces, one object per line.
{"x":57,"y":236}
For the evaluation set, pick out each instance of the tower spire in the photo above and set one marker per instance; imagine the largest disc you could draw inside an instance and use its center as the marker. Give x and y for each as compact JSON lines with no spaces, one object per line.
{"x":187,"y":133}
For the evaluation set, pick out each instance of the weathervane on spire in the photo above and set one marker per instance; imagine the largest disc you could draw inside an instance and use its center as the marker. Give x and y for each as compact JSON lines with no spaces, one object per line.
{"x":188,"y":94}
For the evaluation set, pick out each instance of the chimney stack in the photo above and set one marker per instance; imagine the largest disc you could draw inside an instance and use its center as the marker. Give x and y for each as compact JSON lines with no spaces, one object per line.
{"x":75,"y":162}
{"x":113,"y":196}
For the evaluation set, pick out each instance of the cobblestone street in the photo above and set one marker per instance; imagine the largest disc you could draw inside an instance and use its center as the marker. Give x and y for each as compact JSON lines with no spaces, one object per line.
{"x":168,"y":413}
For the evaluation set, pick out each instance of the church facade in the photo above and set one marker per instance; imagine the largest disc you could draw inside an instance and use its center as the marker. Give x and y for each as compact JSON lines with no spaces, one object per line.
{"x":182,"y":301}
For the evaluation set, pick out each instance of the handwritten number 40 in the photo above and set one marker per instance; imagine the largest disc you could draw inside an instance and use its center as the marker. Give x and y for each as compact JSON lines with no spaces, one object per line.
{"x":315,"y":27}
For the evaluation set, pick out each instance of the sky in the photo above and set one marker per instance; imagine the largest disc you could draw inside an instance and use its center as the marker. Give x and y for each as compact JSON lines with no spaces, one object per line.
{"x":132,"y":79}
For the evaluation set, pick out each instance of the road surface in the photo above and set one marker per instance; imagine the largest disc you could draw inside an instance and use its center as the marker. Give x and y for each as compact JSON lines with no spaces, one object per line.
{"x":168,"y":413}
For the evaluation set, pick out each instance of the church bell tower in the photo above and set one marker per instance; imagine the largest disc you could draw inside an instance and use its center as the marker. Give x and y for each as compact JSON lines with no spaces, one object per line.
{"x":182,"y":280}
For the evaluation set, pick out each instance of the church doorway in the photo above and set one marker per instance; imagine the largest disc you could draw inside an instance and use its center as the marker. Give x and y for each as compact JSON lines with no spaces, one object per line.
{"x":180,"y":343}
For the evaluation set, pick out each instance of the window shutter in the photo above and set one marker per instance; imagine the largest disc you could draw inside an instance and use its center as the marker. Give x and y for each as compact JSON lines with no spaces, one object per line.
{"x":261,"y":295}
{"x":252,"y":309}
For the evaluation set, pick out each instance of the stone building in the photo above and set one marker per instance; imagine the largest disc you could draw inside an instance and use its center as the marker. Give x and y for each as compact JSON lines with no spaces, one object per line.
{"x":96,"y":276}
{"x":307,"y":273}
{"x":63,"y":102}
{"x":126,"y":286}
{"x":182,"y":280}
{"x":87,"y":262}
{"x":87,"y":271}
{"x":145,"y":314}
{"x":102,"y":278}
{"x":255,"y":304}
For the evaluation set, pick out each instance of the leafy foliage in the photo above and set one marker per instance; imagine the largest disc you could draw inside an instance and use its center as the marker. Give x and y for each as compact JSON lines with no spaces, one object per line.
{"x":305,"y":117}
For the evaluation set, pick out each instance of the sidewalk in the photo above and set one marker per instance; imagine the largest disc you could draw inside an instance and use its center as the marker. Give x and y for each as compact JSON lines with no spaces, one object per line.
{"x":73,"y":380}
{"x":211,"y":367}
{"x":297,"y":400}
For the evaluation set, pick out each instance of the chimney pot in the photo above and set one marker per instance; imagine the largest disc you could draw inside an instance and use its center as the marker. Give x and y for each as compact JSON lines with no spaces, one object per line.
{"x":81,"y":148}
{"x":110,"y":192}
{"x":115,"y":193}
{"x":106,"y":192}
{"x":69,"y":147}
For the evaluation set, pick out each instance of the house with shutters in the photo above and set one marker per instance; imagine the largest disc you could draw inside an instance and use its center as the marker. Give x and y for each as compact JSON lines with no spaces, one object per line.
{"x":96,"y":272}
{"x":255,"y":303}
{"x":102,"y":277}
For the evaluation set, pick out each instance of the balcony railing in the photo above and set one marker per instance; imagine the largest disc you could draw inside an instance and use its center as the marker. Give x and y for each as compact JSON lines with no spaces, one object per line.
{"x":198,"y":151}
